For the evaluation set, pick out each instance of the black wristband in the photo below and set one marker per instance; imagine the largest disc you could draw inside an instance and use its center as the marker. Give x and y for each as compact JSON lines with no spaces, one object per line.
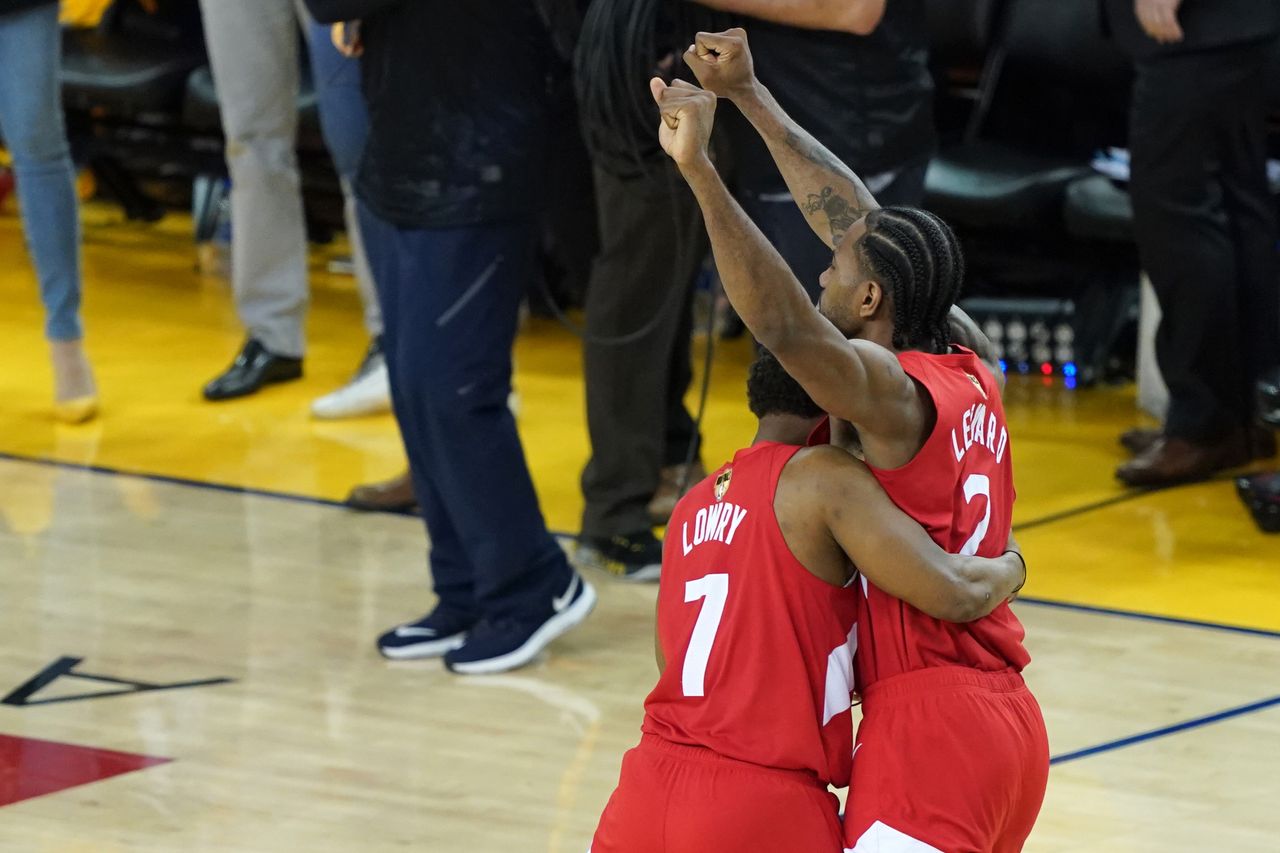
{"x":1022,"y":560}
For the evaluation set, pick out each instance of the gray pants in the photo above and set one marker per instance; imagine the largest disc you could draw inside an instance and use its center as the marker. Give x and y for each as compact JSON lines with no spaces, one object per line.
{"x":253,"y":52}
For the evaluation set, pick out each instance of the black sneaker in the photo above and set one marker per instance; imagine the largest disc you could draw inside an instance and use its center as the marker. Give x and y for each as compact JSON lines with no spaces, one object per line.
{"x":430,"y":637}
{"x":1261,"y":494}
{"x":497,"y":645}
{"x":634,"y":557}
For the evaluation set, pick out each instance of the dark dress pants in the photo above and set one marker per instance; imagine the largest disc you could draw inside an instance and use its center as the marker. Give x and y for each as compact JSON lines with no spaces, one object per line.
{"x":652,"y":243}
{"x":1205,"y":229}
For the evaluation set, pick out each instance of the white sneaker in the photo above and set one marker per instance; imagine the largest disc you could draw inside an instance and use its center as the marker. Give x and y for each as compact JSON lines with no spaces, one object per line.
{"x":369,"y":393}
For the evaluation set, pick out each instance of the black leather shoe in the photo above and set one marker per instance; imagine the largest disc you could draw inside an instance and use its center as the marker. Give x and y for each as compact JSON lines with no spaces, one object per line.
{"x":254,"y":367}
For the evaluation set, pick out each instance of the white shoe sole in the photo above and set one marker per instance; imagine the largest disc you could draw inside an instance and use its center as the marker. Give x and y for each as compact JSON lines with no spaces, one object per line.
{"x":554,"y":627}
{"x":427,"y":649}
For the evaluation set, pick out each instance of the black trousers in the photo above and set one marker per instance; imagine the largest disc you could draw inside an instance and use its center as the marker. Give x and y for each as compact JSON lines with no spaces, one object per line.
{"x":652,"y":244}
{"x":1206,"y":232}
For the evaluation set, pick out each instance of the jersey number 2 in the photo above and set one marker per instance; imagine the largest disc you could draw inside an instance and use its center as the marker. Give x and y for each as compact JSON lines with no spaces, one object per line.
{"x":714,"y":589}
{"x":977,"y":485}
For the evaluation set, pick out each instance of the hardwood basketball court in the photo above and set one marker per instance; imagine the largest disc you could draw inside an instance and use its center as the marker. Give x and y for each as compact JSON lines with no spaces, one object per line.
{"x":188,"y":561}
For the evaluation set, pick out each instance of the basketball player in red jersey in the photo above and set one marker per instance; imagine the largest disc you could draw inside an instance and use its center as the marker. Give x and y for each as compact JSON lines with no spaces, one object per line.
{"x":750,"y":720}
{"x":952,"y":753}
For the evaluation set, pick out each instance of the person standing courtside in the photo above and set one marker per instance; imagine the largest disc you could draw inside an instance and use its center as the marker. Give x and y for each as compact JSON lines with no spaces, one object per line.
{"x":1204,"y":223}
{"x":447,"y":191}
{"x":32,"y":128}
{"x":253,"y":52}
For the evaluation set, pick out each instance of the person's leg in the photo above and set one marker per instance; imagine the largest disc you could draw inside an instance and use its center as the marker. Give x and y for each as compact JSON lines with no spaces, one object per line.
{"x":682,"y":467}
{"x":253,"y":51}
{"x":1184,"y":243}
{"x":452,"y":574}
{"x":681,"y":434}
{"x":32,"y":127}
{"x":648,"y":261}
{"x":344,"y":123}
{"x":457,"y":295}
{"x":1242,"y":146}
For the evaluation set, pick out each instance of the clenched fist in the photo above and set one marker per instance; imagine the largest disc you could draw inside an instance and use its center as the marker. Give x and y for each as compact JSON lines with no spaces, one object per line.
{"x":722,"y":62}
{"x":688,"y":114}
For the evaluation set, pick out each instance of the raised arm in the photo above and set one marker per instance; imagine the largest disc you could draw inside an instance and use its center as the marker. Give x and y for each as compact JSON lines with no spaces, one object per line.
{"x":831,"y":196}
{"x":854,"y":16}
{"x":855,"y":380}
{"x":891,"y":549}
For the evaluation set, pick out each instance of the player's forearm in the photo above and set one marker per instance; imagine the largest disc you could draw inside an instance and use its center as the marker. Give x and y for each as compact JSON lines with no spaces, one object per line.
{"x":986,"y":583}
{"x":854,"y":16}
{"x":829,"y":194}
{"x":757,"y":281}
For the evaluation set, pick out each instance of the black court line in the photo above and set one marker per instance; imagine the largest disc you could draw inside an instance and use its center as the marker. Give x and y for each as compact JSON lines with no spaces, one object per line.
{"x":1149,"y":617}
{"x":1165,"y":731}
{"x":1125,"y":497}
{"x":1063,"y":515}
{"x":175,"y":481}
{"x":308,"y":499}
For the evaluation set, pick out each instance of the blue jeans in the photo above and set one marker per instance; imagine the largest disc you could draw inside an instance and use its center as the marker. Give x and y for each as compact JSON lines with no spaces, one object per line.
{"x":32,"y":126}
{"x":450,"y":297}
{"x":344,"y":118}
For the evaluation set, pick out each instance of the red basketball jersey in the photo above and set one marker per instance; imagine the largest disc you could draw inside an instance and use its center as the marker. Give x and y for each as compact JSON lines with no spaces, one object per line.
{"x":759,"y":651}
{"x":960,"y":488}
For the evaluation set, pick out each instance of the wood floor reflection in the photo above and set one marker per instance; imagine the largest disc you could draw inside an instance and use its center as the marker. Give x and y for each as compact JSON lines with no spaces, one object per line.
{"x":318,"y":744}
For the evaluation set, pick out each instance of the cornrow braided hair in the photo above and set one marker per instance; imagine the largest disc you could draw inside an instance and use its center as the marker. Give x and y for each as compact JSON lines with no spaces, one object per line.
{"x":915,"y":256}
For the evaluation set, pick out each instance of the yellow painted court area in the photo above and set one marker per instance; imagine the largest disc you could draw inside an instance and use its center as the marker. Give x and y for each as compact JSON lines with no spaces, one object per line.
{"x":1165,"y":732}
{"x":157,"y":331}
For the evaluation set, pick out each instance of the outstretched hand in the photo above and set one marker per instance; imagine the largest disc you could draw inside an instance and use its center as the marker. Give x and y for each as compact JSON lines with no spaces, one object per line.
{"x":722,"y":62}
{"x":688,"y":114}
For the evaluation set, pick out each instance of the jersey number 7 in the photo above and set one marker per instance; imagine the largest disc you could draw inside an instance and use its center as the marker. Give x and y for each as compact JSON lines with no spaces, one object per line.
{"x":715,"y":589}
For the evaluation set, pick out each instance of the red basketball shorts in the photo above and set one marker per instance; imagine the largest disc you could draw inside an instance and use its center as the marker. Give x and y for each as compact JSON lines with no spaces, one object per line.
{"x":686,"y":799}
{"x":947,"y":759}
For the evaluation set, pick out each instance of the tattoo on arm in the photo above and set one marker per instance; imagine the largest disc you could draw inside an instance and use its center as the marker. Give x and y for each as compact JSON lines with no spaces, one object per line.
{"x":840,"y":212}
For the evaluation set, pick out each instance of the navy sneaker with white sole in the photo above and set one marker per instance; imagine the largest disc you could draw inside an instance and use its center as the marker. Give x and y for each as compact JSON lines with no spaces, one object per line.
{"x":498,"y":645}
{"x":430,"y":637}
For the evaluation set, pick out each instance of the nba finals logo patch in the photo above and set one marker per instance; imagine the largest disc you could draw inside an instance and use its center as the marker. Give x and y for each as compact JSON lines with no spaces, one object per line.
{"x":722,"y":483}
{"x":977,"y":384}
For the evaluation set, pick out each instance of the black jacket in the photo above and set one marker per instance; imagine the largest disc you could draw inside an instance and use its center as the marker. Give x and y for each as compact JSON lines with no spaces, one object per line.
{"x":869,"y":99}
{"x":458,"y":108}
{"x":1206,"y":24}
